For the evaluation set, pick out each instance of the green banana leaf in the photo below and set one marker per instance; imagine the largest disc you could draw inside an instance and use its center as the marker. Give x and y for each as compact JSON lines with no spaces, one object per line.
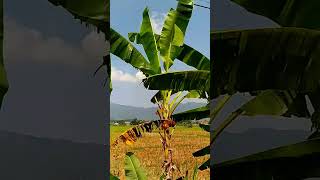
{"x":289,"y":13}
{"x":296,"y":161}
{"x":112,"y":177}
{"x":122,"y":48}
{"x":179,"y":81}
{"x":185,"y":53}
{"x":173,"y":31}
{"x":3,"y":75}
{"x":273,"y":58}
{"x":133,"y":169}
{"x":193,"y":114}
{"x":94,"y":12}
{"x":147,"y":39}
{"x":193,"y":58}
{"x":269,"y":102}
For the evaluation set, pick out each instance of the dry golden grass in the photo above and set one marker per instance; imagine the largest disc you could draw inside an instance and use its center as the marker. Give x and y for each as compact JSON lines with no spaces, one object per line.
{"x":148,"y":150}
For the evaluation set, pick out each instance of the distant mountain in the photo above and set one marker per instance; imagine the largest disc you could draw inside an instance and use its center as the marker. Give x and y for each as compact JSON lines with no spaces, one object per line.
{"x":31,"y":158}
{"x":118,"y":112}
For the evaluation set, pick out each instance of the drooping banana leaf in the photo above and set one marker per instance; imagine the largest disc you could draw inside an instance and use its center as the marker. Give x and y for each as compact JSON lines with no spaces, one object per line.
{"x":173,"y":31}
{"x":131,"y":135}
{"x":293,"y":13}
{"x":94,"y":12}
{"x":106,"y":62}
{"x":133,"y":168}
{"x":122,"y":48}
{"x":193,"y":58}
{"x":202,"y":152}
{"x":3,"y":75}
{"x":273,"y":58}
{"x":179,"y":81}
{"x":296,"y":161}
{"x":193,"y":114}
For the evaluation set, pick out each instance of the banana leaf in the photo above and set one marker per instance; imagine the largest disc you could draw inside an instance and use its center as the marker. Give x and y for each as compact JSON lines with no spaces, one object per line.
{"x":122,"y":48}
{"x":272,"y":58}
{"x":112,"y":177}
{"x":94,"y":12}
{"x":3,"y":75}
{"x":205,"y":165}
{"x":193,"y":58}
{"x":173,"y":31}
{"x":289,"y":13}
{"x":179,"y":81}
{"x":202,"y":152}
{"x":193,"y":114}
{"x":185,"y":54}
{"x":133,"y":168}
{"x":147,"y":39}
{"x":291,"y":162}
{"x":269,"y":102}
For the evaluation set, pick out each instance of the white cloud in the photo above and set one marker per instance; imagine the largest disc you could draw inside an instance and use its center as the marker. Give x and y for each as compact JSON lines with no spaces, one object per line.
{"x":26,"y":44}
{"x":119,"y":75}
{"x":157,"y":20}
{"x":140,"y":75}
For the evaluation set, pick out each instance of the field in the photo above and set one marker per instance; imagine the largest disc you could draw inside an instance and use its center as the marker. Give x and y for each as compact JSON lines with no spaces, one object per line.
{"x":148,"y":149}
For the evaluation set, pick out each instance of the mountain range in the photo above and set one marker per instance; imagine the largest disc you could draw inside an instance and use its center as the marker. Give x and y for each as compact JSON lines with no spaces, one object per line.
{"x":120,"y":112}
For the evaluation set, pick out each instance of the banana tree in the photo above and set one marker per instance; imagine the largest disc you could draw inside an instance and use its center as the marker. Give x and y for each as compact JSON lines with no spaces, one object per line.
{"x":167,"y":46}
{"x":271,"y":59}
{"x":284,"y":60}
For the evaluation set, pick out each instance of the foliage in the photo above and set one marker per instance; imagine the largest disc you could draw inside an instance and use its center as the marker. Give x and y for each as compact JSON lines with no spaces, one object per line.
{"x":287,"y":13}
{"x":297,"y":161}
{"x":3,"y":76}
{"x":150,"y":153}
{"x":133,"y":169}
{"x":281,"y":62}
{"x":112,"y":177}
{"x":93,"y":12}
{"x":136,"y":122}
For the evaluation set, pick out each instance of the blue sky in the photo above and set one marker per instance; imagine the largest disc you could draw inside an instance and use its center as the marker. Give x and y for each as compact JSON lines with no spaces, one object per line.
{"x":126,"y":16}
